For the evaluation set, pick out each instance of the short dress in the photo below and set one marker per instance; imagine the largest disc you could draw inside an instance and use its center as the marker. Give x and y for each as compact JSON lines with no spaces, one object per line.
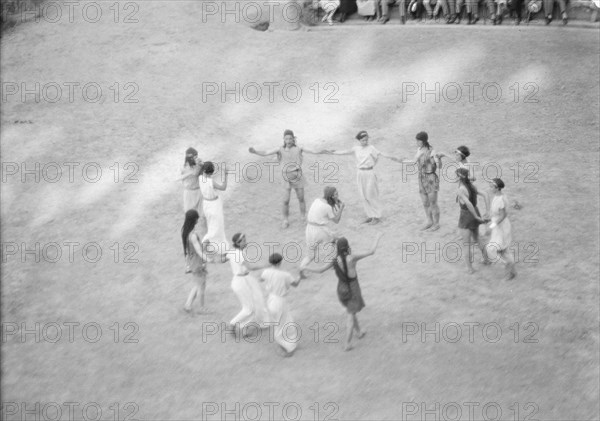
{"x":291,"y":161}
{"x":196,"y":264}
{"x":429,"y":181}
{"x":466,"y":219}
{"x":354,"y":303}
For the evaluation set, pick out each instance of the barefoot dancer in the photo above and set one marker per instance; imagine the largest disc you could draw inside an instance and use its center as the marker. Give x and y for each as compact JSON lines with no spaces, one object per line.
{"x":469,"y":219}
{"x":322,"y":211}
{"x":348,"y":289}
{"x":196,"y":259}
{"x":501,"y":230}
{"x":246,"y":287}
{"x":429,"y":182}
{"x":290,"y":156}
{"x":366,"y":158}
{"x":277,"y":284}
{"x":213,"y":210}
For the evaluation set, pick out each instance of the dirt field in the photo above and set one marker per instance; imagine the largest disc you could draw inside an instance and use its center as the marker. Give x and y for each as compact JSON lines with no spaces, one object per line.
{"x":545,"y":368}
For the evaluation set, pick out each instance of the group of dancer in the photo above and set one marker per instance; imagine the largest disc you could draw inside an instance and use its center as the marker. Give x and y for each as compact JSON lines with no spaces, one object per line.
{"x":202,"y":203}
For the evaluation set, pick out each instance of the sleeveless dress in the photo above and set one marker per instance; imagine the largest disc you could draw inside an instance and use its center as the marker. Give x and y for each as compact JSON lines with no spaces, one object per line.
{"x":196,"y":264}
{"x":429,"y":181}
{"x":466,"y":219}
{"x":192,"y":197}
{"x":348,"y":290}
{"x":502,"y":232}
{"x":291,"y":161}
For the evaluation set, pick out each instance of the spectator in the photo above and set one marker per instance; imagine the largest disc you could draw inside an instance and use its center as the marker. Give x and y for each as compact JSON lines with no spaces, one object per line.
{"x":548,"y":9}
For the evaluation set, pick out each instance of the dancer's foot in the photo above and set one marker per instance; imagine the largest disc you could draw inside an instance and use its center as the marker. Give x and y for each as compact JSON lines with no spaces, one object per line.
{"x":285,"y":224}
{"x":187,"y":269}
{"x":348,"y":347}
{"x":361,"y":334}
{"x":434,"y":227}
{"x":375,"y":221}
{"x":470,"y":271}
{"x":426,"y":226}
{"x":367,"y":221}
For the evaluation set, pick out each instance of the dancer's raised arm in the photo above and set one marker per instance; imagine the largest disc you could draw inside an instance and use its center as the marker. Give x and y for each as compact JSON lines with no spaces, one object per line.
{"x":357,"y":257}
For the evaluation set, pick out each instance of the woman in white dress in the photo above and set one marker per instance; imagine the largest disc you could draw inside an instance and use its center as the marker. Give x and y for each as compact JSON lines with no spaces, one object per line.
{"x":214,"y":239}
{"x":246,"y":288}
{"x":501,"y":237}
{"x":322,"y":211}
{"x":366,"y":158}
{"x":277,"y":284}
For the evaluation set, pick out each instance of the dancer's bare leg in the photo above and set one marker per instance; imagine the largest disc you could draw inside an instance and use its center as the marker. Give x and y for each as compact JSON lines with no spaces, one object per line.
{"x":434,"y":209}
{"x":286,"y":208}
{"x":301,"y":202}
{"x":426,"y":207}
{"x":359,"y":333}
{"x":467,"y":248}
{"x":349,"y":331}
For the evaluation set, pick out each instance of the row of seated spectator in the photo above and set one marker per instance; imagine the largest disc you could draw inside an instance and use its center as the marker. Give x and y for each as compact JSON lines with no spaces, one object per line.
{"x":451,"y":10}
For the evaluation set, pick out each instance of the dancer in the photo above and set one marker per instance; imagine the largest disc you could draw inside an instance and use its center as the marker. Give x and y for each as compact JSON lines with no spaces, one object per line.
{"x":321,"y":212}
{"x":290,"y":155}
{"x":461,"y":155}
{"x":246,"y":288}
{"x":214,"y":239}
{"x":366,"y":158}
{"x":469,"y":219}
{"x":190,"y":173}
{"x":277,"y":284}
{"x":348,"y":289}
{"x":429,"y":183}
{"x":501,"y":229}
{"x":196,"y":259}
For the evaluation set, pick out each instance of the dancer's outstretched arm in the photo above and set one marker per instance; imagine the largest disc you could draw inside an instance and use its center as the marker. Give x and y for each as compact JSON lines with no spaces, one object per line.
{"x":370,"y":252}
{"x":263,"y":153}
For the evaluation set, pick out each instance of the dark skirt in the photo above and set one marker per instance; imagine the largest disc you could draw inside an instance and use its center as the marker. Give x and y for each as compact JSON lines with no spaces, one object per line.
{"x":467,"y":220}
{"x":354,"y":303}
{"x":348,"y":7}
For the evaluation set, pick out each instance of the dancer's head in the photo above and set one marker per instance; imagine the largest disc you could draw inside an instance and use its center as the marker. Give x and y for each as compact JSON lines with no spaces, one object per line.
{"x":191,"y":155}
{"x":330,"y":194}
{"x":208,"y":168}
{"x":275,"y":259}
{"x":343,"y":247}
{"x":497,"y":184}
{"x":191,"y":218}
{"x":289,"y":140}
{"x":422,"y":140}
{"x":461,"y":153}
{"x":463,"y":175}
{"x":363,"y":137}
{"x":239,"y":240}
{"x":343,"y":250}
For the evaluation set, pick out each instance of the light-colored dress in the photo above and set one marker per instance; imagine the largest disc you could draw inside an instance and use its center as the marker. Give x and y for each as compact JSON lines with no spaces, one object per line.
{"x":501,"y":237}
{"x":215,"y":221}
{"x":248,"y":291}
{"x":366,"y":158}
{"x":277,"y":285}
{"x":192,"y":197}
{"x":317,"y":231}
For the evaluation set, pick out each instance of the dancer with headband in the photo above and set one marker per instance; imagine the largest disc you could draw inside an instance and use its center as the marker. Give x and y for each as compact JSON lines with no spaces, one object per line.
{"x":501,"y":237}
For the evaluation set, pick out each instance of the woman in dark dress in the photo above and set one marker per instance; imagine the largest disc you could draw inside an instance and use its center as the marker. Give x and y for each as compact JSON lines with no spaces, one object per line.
{"x":348,"y":289}
{"x":347,"y":8}
{"x":470,"y":218}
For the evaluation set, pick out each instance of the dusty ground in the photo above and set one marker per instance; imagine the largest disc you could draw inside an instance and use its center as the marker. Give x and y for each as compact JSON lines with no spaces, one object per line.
{"x":174,"y":373}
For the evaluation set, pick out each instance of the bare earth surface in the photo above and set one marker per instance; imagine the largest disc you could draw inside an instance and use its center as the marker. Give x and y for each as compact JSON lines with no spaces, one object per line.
{"x":549,"y":371}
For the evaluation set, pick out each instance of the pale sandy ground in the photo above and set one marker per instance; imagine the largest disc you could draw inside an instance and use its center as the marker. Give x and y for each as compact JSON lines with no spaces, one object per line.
{"x":172,"y":373}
